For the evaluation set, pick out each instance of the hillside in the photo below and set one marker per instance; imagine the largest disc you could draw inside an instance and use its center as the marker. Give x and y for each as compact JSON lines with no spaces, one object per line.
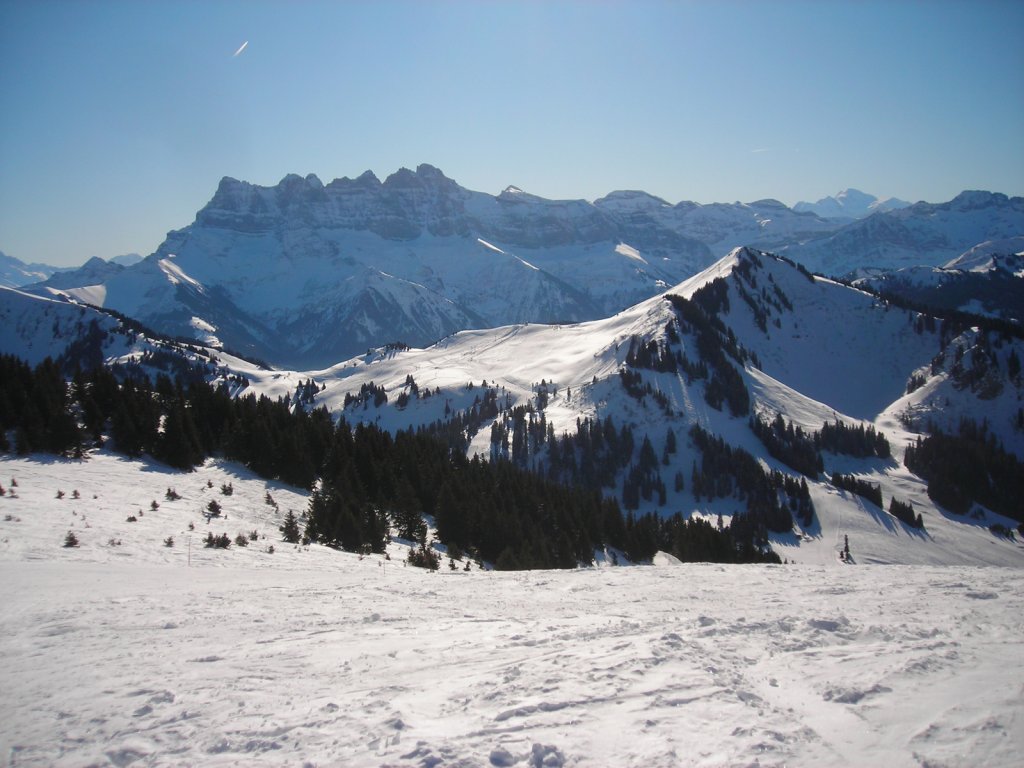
{"x":836,"y":354}
{"x":124,"y":650}
{"x":139,"y":644}
{"x":928,"y":234}
{"x":786,"y":345}
{"x":304,"y":274}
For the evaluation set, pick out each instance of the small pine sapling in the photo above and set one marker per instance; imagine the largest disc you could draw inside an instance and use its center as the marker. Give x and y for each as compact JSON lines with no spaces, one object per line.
{"x":290,"y":530}
{"x":70,"y":540}
{"x":154,"y":506}
{"x":169,"y":542}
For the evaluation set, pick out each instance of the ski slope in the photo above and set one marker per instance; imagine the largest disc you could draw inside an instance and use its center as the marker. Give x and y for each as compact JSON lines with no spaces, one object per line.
{"x":137,"y":654}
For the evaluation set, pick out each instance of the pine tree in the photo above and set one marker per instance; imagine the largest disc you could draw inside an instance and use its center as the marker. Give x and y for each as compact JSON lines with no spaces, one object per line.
{"x":290,"y":529}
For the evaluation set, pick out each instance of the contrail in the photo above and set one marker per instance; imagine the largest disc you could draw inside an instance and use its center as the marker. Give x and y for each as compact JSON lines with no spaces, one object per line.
{"x":241,"y":48}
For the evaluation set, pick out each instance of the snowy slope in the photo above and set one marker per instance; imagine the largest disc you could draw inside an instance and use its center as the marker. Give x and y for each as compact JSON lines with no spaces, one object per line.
{"x":766,"y":224}
{"x":923,"y":233}
{"x":288,"y":265}
{"x":836,"y":353}
{"x":825,"y":350}
{"x":981,"y":257}
{"x":35,"y":328}
{"x":15,"y":273}
{"x":137,"y":653}
{"x":284,"y":267}
{"x":850,"y":204}
{"x":986,"y":280}
{"x":281,"y":272}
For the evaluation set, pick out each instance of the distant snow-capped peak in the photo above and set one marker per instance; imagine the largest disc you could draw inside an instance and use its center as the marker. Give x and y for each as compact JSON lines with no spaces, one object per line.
{"x":850,"y":204}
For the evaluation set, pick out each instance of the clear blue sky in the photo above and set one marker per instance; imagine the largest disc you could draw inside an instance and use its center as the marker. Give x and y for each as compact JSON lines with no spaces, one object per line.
{"x":117,"y":119}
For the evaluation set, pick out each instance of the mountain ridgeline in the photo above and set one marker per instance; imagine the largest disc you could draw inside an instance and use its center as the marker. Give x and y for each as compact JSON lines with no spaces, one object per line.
{"x":305,"y":274}
{"x":750,"y":412}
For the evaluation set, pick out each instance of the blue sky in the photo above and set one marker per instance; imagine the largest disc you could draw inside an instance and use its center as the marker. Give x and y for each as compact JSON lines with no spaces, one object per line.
{"x":119,"y":118}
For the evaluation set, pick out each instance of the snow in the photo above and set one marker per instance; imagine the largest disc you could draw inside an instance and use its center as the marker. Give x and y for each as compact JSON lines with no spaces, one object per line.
{"x":487,"y":245}
{"x":629,"y":252}
{"x":120,"y":655}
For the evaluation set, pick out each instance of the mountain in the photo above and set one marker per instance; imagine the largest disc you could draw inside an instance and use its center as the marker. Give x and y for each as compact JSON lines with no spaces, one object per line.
{"x":306,"y":274}
{"x":850,"y":204}
{"x":15,"y":273}
{"x":93,"y":273}
{"x":701,"y":399}
{"x":763,"y":224}
{"x":126,"y":259}
{"x":888,"y":369}
{"x":303,"y":274}
{"x":987,"y":280}
{"x":922,"y":234}
{"x":991,"y":255}
{"x":81,"y":336}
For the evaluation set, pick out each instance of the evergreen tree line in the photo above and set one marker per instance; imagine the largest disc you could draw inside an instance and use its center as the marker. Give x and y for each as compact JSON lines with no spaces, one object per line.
{"x":801,"y":451}
{"x":715,"y":344}
{"x":789,"y":444}
{"x":725,"y":471}
{"x":177,"y":424}
{"x":593,"y":455}
{"x":695,"y":539}
{"x":953,"y":322}
{"x":859,"y":441}
{"x":635,"y":386}
{"x":904,"y":510}
{"x":969,"y":467}
{"x":758,"y":301}
{"x":370,"y":481}
{"x":458,"y":428}
{"x":35,"y":404}
{"x":491,"y":510}
{"x":870,"y":491}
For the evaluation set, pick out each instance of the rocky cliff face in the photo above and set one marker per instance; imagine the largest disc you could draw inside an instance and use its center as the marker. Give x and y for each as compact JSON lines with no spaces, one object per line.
{"x":304,"y":273}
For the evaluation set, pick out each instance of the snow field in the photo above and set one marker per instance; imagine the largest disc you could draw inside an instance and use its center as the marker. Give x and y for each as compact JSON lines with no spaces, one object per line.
{"x":692,"y":665}
{"x":126,"y":655}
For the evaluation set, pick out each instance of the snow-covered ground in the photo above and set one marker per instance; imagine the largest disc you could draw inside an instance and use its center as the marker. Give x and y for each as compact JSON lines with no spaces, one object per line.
{"x":142,"y":654}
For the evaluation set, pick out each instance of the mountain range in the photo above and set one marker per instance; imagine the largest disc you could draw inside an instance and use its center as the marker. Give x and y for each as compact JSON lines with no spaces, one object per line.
{"x":304,"y":274}
{"x":752,"y":340}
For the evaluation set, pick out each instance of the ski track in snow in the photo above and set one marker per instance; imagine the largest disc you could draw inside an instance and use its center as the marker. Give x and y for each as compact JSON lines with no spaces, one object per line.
{"x":127,"y":655}
{"x":688,"y":665}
